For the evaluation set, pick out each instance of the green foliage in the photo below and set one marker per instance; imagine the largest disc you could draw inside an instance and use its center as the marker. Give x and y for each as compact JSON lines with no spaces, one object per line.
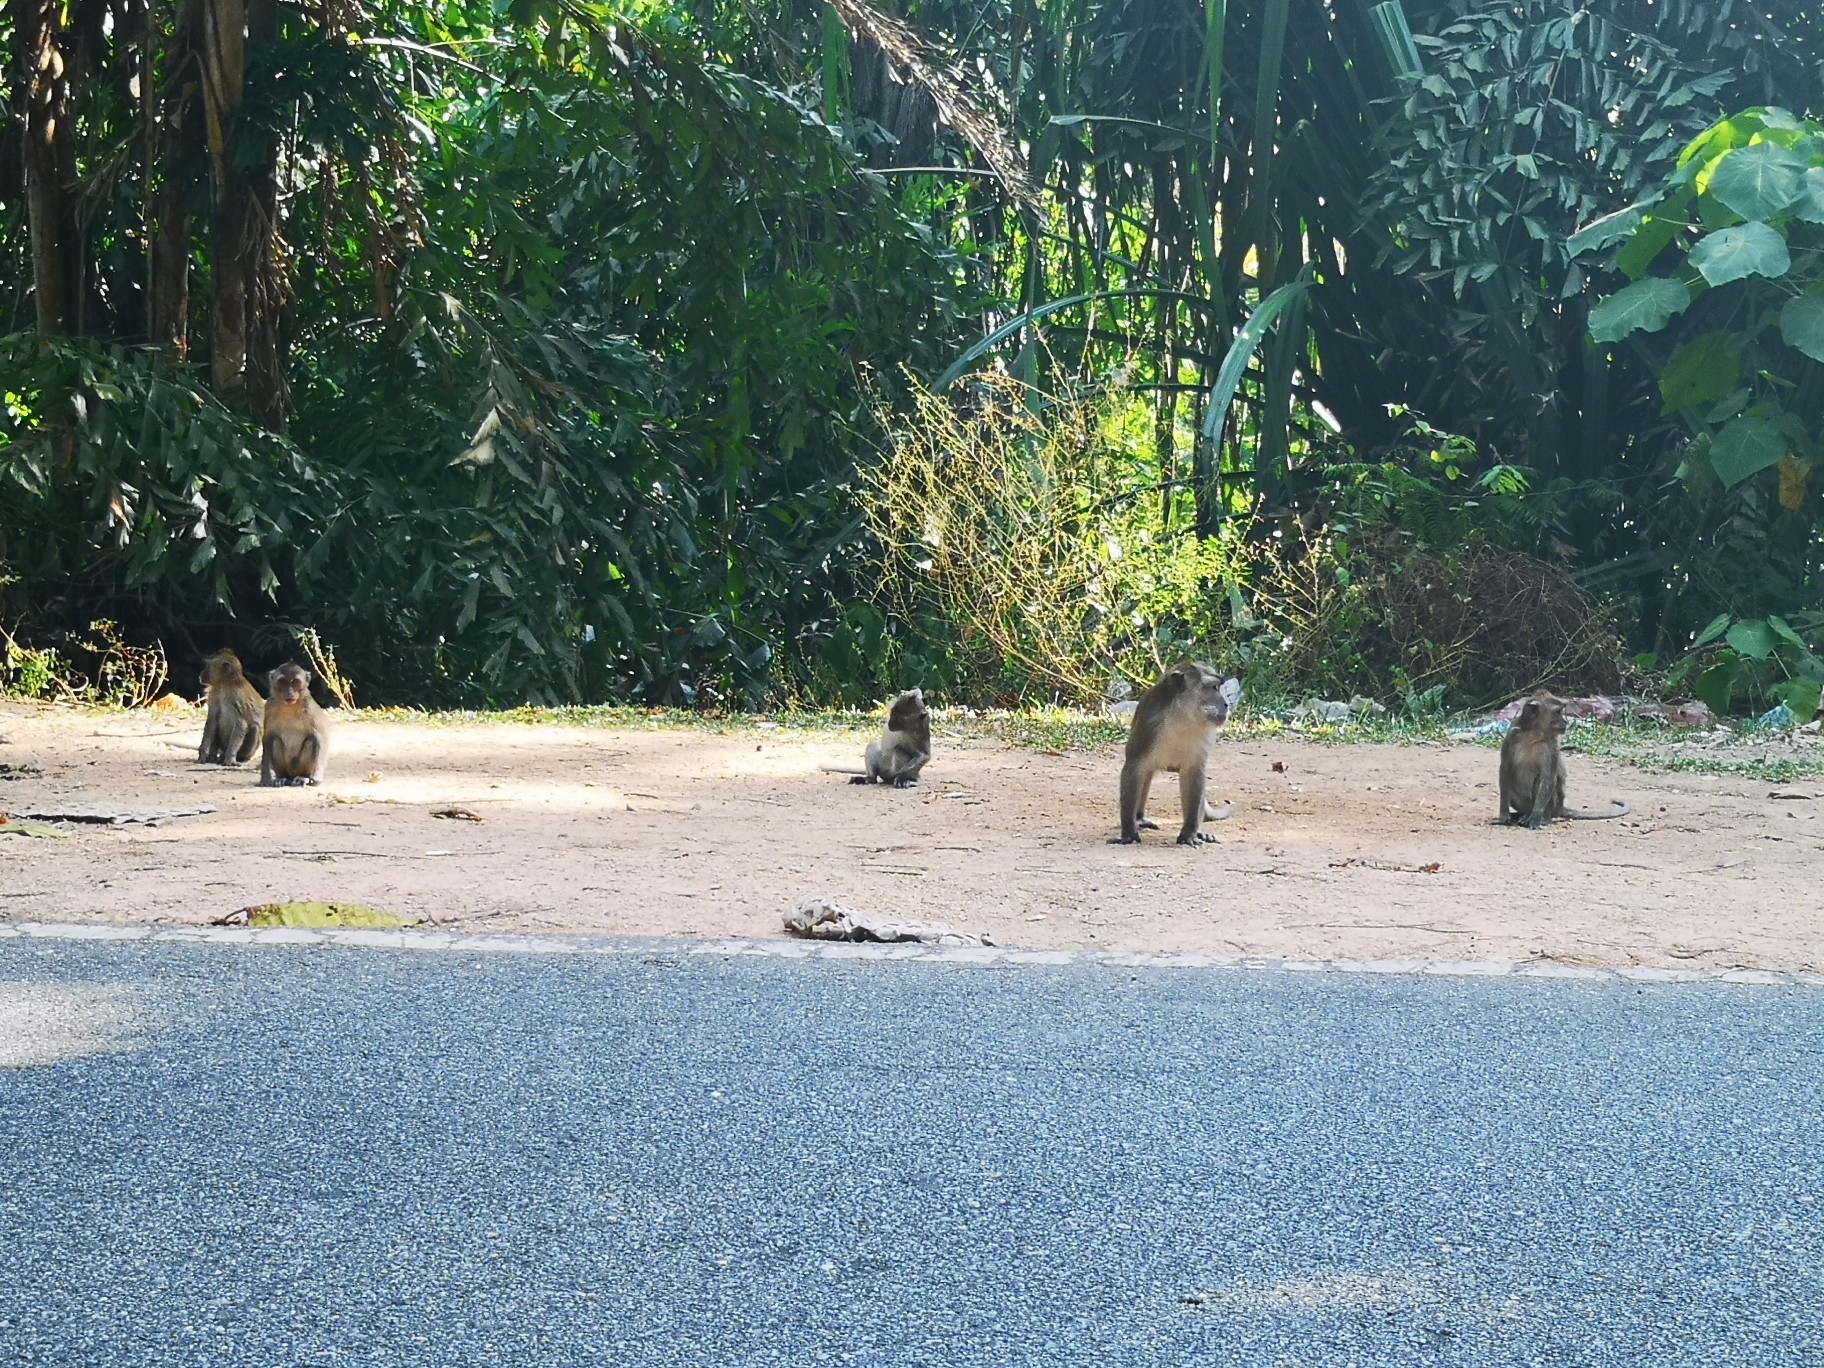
{"x":1422,"y":586}
{"x":1740,"y":367}
{"x":1758,"y":661}
{"x":575,"y":421}
{"x":1035,"y":524}
{"x":31,"y":672}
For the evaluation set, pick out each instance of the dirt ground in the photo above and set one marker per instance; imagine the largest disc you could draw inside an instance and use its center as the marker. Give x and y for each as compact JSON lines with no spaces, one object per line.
{"x":1340,"y":852}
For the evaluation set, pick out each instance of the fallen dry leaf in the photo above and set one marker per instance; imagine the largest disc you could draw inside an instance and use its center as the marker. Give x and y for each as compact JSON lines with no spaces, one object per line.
{"x":460,"y":814}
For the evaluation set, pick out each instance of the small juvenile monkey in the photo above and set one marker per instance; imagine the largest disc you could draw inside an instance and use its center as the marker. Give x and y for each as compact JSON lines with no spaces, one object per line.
{"x":1532,"y":768}
{"x":232,"y":726}
{"x":904,"y":747}
{"x":1174,"y":728}
{"x":297,"y":731}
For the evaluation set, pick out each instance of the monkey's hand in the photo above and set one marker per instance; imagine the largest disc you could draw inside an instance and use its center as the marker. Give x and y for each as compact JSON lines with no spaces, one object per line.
{"x":1535,"y":820}
{"x":1124,"y":840}
{"x":905,"y":783}
{"x":1196,"y":838}
{"x":1146,"y":824}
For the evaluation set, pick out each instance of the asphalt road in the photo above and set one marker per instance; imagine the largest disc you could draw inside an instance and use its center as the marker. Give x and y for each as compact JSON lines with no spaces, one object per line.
{"x":273,"y":1156}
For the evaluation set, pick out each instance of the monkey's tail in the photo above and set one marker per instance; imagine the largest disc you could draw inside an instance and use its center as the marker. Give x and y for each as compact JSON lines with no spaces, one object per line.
{"x":1621,"y":809}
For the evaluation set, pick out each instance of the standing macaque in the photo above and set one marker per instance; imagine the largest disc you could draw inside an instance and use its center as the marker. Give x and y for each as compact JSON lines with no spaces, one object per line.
{"x":297,"y":731}
{"x":1532,"y":768}
{"x":1173,"y":729}
{"x":231,"y":728}
{"x":904,"y":747}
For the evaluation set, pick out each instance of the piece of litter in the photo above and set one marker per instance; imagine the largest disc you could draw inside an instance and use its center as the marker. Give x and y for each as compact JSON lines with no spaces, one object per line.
{"x":433,"y":854}
{"x":8,"y":827}
{"x":310,"y":914}
{"x":821,"y":919}
{"x":460,"y":814}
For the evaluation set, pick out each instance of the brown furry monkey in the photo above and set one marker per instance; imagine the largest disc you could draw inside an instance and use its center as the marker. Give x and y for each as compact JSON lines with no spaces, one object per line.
{"x":232,"y":726}
{"x":1532,"y":768}
{"x":1174,"y":728}
{"x":297,"y":731}
{"x":904,"y":747}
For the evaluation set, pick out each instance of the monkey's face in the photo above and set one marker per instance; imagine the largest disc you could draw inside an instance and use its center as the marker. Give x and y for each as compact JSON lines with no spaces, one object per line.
{"x":1214,"y":696}
{"x":1544,"y":714}
{"x":219,"y":668}
{"x":290,"y":684}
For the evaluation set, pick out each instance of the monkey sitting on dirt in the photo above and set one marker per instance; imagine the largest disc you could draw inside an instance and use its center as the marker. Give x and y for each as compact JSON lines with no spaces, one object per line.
{"x":1173,"y":729}
{"x":904,"y":747}
{"x":231,"y":727}
{"x":297,"y":731}
{"x":1532,"y":768}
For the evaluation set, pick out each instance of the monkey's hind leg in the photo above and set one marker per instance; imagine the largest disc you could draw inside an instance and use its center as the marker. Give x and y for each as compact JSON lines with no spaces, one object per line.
{"x":250,"y":742}
{"x":1134,"y":783}
{"x":1542,"y":800}
{"x":1191,"y":783}
{"x":1141,"y":820}
{"x":309,"y":761}
{"x":871,"y":773}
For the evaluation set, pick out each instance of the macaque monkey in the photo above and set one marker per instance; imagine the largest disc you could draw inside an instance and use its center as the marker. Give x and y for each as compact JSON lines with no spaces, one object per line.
{"x":1174,"y":728}
{"x":297,"y":731}
{"x":904,"y":747}
{"x":232,"y":726}
{"x":1532,"y":768}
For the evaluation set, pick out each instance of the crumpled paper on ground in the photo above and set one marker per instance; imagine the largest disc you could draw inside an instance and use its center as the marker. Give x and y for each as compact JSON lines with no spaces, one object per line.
{"x":822,"y":919}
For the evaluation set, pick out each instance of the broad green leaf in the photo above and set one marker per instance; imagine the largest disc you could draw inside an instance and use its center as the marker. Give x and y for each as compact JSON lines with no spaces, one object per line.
{"x":1716,"y":685}
{"x":1700,"y":372}
{"x":1645,"y":306}
{"x":1712,"y":630}
{"x":1802,"y":324}
{"x":1654,"y":234}
{"x":1811,"y":204}
{"x":1752,"y":638}
{"x":1758,"y":181}
{"x":1609,"y":229}
{"x":1746,"y":447}
{"x":1801,"y":696}
{"x":1721,"y":136}
{"x":1783,"y":630}
{"x":1752,"y":249}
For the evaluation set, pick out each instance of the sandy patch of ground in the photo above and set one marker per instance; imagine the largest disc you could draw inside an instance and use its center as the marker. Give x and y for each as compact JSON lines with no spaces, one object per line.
{"x":690,"y":834}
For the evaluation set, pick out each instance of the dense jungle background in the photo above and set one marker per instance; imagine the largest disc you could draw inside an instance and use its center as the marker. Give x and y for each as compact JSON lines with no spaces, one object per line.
{"x":750,"y":352}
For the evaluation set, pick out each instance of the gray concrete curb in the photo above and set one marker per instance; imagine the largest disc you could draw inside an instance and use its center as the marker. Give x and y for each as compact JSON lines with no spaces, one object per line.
{"x":838,"y":950}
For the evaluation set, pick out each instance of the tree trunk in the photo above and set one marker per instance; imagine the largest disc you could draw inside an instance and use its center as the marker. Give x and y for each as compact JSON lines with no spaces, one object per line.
{"x":178,"y":141}
{"x":48,"y":161}
{"x":246,"y":358}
